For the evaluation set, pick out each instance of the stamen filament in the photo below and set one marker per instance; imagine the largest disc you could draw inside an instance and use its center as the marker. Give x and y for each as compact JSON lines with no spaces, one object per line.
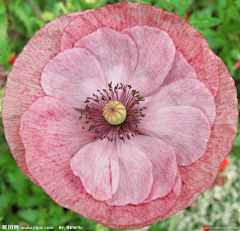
{"x":114,"y":113}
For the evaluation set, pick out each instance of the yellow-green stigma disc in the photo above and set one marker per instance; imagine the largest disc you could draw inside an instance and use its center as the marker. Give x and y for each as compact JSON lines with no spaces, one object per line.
{"x":114,"y":112}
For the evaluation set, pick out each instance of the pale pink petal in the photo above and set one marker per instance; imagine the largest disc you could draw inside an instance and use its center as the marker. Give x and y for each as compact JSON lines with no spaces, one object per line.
{"x":72,"y":76}
{"x":185,"y":92}
{"x":67,"y":190}
{"x":185,"y":128}
{"x":116,"y":53}
{"x":143,"y":214}
{"x":181,"y":69}
{"x":187,"y":39}
{"x":156,"y":55}
{"x":164,"y":163}
{"x":43,"y":156}
{"x":136,"y":175}
{"x":23,"y":83}
{"x":220,"y":144}
{"x":97,"y":166}
{"x":53,"y":127}
{"x":49,"y":163}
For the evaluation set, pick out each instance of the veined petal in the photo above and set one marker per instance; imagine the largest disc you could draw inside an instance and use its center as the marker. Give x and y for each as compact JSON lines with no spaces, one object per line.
{"x":224,"y":131}
{"x":186,"y":128}
{"x":186,"y":38}
{"x":181,"y":69}
{"x":116,"y":53}
{"x":23,"y":82}
{"x":156,"y":55}
{"x":184,"y":92}
{"x":49,"y":163}
{"x":68,"y":191}
{"x":136,"y":176}
{"x":97,"y":166}
{"x":164,"y":163}
{"x":72,"y":76}
{"x":51,"y":131}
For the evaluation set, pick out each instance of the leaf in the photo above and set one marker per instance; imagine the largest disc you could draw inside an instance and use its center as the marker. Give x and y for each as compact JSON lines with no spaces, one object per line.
{"x":232,"y":28}
{"x":29,"y":215}
{"x":4,"y":201}
{"x":2,"y":89}
{"x":237,"y":141}
{"x":181,"y":6}
{"x":222,"y":3}
{"x":16,"y":179}
{"x":207,"y":32}
{"x":4,"y":41}
{"x":48,"y":16}
{"x":100,"y":227}
{"x":145,"y":1}
{"x":233,"y":13}
{"x":216,"y":42}
{"x":221,"y":8}
{"x":199,"y":22}
{"x":77,"y":5}
{"x":93,"y":4}
{"x":23,"y":17}
{"x":59,"y":10}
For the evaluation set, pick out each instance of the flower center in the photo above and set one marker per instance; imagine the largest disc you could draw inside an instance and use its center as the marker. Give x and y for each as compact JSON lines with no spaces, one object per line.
{"x":114,"y":112}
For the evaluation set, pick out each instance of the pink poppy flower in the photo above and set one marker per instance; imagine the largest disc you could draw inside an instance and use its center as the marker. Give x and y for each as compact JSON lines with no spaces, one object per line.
{"x":122,"y":114}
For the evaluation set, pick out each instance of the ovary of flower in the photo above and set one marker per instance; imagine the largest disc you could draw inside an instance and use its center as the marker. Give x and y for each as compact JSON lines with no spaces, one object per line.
{"x":114,"y":112}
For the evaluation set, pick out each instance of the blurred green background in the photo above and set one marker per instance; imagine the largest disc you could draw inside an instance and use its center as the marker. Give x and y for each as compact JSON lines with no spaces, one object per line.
{"x":23,"y":203}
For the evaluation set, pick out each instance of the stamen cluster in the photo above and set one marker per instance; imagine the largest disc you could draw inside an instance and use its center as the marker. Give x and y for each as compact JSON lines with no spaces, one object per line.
{"x":93,"y":113}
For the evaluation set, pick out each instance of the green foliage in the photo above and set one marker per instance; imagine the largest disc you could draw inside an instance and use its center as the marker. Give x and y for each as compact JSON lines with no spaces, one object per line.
{"x":219,"y":22}
{"x":23,"y":203}
{"x":180,"y":7}
{"x":204,"y":22}
{"x":4,"y":40}
{"x":237,"y":141}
